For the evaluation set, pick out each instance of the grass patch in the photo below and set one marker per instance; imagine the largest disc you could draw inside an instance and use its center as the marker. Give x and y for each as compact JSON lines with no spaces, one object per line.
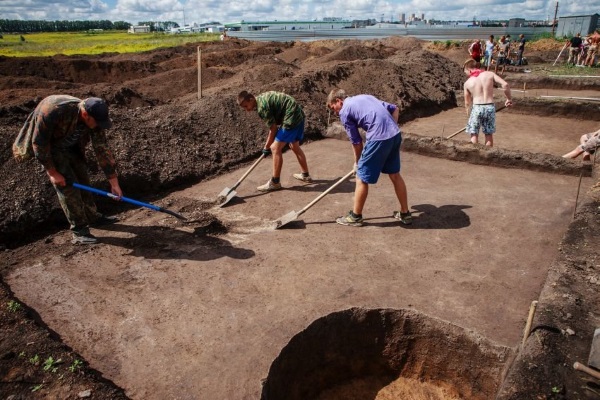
{"x":84,"y":43}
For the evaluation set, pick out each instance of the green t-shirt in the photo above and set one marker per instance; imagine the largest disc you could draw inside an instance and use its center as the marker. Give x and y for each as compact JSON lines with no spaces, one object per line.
{"x":279,"y":108}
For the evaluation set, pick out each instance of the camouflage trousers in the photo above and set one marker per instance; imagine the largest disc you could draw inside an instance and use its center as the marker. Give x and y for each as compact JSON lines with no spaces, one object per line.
{"x":78,"y":205}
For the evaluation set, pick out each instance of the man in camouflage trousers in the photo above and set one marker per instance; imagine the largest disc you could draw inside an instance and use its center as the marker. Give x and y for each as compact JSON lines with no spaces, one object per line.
{"x":56,"y":133}
{"x":285,"y":119}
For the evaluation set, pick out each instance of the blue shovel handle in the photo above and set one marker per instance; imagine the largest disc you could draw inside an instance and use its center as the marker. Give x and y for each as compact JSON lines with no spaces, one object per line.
{"x":127,"y":200}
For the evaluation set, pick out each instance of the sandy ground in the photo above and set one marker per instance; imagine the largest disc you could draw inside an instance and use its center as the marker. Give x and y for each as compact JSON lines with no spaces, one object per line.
{"x":235,"y":300}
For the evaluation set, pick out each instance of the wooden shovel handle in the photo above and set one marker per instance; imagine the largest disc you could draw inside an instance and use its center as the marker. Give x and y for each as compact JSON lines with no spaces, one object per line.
{"x":312,"y":203}
{"x":592,"y":372}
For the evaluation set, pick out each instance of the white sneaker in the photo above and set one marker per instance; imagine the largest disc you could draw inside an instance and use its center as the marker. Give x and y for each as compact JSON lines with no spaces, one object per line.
{"x":300,"y":177}
{"x":269,"y":187}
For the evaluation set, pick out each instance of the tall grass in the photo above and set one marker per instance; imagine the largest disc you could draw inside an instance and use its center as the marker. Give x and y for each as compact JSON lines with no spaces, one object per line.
{"x":50,"y":44}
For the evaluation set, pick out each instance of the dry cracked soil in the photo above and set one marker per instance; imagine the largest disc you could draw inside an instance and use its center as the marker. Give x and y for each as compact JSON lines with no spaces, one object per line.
{"x":168,"y":141}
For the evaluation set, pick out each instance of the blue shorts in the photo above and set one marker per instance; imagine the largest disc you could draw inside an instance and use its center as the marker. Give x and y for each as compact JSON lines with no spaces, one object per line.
{"x":377,"y":157}
{"x":483,"y":116}
{"x":291,"y":135}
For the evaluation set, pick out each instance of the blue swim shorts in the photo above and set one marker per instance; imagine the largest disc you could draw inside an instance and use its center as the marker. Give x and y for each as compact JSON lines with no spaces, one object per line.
{"x":482,"y":116}
{"x":291,"y":135}
{"x":377,"y":157}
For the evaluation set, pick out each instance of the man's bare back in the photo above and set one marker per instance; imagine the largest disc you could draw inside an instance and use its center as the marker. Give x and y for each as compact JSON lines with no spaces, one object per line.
{"x":481,"y":88}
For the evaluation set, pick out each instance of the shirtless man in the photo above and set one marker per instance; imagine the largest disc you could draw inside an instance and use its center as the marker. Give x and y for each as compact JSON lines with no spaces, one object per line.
{"x":594,"y":42}
{"x":479,"y":93}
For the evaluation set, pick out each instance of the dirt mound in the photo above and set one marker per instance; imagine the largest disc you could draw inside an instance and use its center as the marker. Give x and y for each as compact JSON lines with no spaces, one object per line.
{"x":164,"y":136}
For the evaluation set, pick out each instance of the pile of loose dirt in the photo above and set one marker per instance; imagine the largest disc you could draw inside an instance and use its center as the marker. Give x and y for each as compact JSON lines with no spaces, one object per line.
{"x":164,"y":136}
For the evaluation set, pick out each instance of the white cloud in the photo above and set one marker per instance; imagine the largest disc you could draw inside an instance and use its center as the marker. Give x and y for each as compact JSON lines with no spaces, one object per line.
{"x":212,"y":10}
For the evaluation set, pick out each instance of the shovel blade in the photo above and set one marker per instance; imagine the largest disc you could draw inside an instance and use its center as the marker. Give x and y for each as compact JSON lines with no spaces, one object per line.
{"x":286,"y":219}
{"x":225,"y":196}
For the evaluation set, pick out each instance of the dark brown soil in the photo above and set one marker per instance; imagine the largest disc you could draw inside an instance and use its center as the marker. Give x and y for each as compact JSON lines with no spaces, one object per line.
{"x":165,"y":138}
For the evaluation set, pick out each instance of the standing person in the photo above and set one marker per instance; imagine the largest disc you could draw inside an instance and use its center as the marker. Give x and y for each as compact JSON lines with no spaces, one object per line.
{"x":574,"y":48}
{"x":588,"y":143}
{"x":380,"y":153}
{"x":594,"y":41}
{"x":479,"y":93}
{"x":475,"y":51}
{"x":285,"y":119}
{"x":489,"y":52}
{"x":56,"y":134}
{"x":502,"y":54}
{"x":509,"y":49}
{"x":521,"y":49}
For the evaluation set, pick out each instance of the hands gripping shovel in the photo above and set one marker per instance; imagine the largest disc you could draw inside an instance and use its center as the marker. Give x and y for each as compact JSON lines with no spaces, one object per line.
{"x":227,"y":194}
{"x":292,"y":215}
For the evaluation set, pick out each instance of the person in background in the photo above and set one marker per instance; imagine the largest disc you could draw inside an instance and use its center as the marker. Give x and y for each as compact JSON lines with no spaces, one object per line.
{"x":479,"y":100}
{"x":588,"y":143}
{"x":502,"y":59}
{"x":574,"y":48}
{"x":489,"y":52}
{"x":475,"y":51}
{"x":285,"y":119}
{"x":379,"y":154}
{"x":59,"y":129}
{"x":594,"y":41}
{"x":520,"y":49}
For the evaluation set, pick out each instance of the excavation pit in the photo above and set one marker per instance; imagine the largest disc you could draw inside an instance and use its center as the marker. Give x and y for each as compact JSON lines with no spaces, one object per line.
{"x":385,"y":354}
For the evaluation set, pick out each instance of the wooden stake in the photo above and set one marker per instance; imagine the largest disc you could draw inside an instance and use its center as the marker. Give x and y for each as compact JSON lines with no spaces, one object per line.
{"x":527,"y":331}
{"x":199,"y":73}
{"x":577,"y":197}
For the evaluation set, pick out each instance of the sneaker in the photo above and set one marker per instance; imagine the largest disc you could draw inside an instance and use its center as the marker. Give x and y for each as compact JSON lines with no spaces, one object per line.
{"x":84,"y":238}
{"x":269,"y":187}
{"x":405,"y":218}
{"x":300,"y":177}
{"x":349,"y":220}
{"x":105,"y":220}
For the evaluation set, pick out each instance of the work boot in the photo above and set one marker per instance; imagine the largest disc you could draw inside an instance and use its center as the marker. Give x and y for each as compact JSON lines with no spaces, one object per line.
{"x":305,"y":179}
{"x":269,"y":187}
{"x":105,"y":220}
{"x":83,"y":237}
{"x":404,"y":218}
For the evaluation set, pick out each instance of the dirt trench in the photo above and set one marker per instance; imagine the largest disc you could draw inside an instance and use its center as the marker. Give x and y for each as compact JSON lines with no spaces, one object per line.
{"x":167,"y":140}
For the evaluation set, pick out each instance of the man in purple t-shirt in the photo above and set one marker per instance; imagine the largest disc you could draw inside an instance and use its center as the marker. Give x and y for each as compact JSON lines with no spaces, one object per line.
{"x":380,"y":153}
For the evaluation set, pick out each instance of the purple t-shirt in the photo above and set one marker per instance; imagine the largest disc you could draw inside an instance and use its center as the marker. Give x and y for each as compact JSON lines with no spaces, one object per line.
{"x":371,"y":114}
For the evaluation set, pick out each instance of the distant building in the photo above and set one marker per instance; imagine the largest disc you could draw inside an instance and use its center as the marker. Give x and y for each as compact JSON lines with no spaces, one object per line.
{"x":516,"y":22}
{"x":139,"y":29}
{"x":330,"y":23}
{"x":584,"y":24}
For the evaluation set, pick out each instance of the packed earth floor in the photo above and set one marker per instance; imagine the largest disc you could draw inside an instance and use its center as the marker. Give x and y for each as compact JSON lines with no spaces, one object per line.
{"x":226,"y":306}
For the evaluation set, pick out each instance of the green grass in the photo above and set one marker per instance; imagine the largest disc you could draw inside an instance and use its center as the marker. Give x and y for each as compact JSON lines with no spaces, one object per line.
{"x":50,"y":44}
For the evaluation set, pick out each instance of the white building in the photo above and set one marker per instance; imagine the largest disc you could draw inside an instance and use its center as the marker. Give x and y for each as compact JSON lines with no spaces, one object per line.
{"x":139,"y":29}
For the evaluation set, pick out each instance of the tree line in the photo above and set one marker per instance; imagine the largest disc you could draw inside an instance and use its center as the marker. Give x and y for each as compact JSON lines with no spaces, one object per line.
{"x":33,"y":26}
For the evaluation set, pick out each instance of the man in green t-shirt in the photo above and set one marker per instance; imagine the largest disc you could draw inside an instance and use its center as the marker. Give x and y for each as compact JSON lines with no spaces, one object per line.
{"x":285,"y":119}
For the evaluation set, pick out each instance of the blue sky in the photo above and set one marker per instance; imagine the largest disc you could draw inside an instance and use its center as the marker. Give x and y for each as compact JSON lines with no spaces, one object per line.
{"x":189,"y":11}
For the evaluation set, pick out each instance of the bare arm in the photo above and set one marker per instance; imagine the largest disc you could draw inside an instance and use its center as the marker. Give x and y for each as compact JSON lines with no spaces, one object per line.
{"x":505,"y":88}
{"x":358,"y":148}
{"x":468,"y":99}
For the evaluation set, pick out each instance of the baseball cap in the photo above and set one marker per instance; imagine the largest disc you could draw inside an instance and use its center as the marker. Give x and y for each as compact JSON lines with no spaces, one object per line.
{"x":98,"y":109}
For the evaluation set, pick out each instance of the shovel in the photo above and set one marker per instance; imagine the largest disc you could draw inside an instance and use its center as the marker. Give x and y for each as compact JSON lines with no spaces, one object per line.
{"x":227,"y":193}
{"x":292,"y":215}
{"x":127,"y":200}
